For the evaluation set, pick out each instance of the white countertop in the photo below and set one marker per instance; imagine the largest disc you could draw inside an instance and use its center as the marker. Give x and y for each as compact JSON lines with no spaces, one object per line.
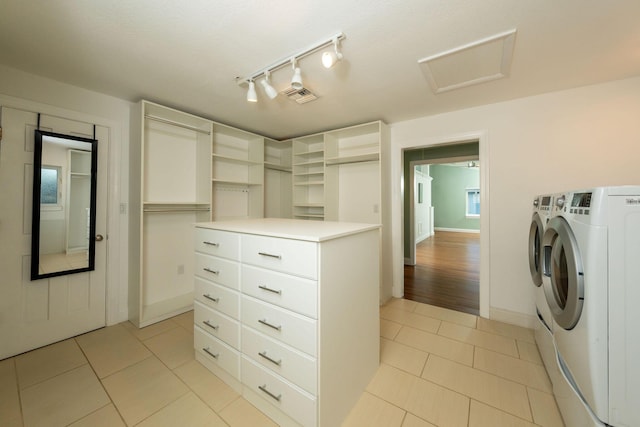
{"x":298,"y":229}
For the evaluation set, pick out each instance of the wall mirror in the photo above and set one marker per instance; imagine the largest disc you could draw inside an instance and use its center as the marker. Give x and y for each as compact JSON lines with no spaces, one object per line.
{"x":64,"y":205}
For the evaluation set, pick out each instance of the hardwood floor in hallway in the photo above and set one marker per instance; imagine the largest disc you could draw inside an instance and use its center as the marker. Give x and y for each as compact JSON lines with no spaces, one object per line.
{"x":447,"y":272}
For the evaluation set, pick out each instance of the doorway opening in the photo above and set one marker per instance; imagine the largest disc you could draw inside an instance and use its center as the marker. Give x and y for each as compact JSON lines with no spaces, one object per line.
{"x":442,"y":226}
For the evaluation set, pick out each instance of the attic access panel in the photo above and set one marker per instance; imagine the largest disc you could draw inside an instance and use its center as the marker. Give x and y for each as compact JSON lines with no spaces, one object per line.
{"x":478,"y":62}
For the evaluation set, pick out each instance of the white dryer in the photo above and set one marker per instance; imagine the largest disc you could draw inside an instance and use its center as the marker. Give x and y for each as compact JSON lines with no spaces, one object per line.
{"x":541,"y":212}
{"x":542,"y":209}
{"x":591,"y":279}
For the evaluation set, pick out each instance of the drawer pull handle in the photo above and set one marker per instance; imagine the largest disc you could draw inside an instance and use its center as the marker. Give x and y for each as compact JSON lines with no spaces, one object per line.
{"x":270,"y":255}
{"x":214,"y":327}
{"x":264,"y":355}
{"x":211,"y":244}
{"x":210,"y":298}
{"x":264,"y":322}
{"x":208,"y":270}
{"x":206,"y":350}
{"x":265,"y":288}
{"x":273,"y":396}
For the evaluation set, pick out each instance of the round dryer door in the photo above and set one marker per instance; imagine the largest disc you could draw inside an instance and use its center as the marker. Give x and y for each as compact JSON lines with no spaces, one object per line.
{"x":562,"y":273}
{"x":535,"y":246}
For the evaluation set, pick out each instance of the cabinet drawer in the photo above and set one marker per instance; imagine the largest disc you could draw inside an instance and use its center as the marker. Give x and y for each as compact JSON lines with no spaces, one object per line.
{"x":217,"y":297}
{"x":217,"y":324}
{"x":291,"y":364}
{"x":288,"y":256}
{"x":290,"y":292}
{"x":218,"y":243}
{"x":218,"y":270}
{"x":291,"y":328}
{"x":217,"y":352}
{"x":291,"y":400}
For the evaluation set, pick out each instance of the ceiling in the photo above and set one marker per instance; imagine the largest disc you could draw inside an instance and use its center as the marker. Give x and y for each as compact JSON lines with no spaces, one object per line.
{"x":187,"y":54}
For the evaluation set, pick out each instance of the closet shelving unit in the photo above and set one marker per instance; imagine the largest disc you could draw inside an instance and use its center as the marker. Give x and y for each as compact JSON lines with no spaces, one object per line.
{"x":344,"y":175}
{"x":308,"y":177}
{"x":277,"y":178}
{"x":237,"y":165}
{"x":78,"y":201}
{"x":170,"y":190}
{"x":353,"y":174}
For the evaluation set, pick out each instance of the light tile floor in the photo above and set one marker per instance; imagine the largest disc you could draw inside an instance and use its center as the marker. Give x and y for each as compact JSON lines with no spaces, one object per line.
{"x":438,"y":368}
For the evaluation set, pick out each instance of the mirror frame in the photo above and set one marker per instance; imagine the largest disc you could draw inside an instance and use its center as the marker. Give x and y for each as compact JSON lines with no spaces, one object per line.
{"x":35,"y":219}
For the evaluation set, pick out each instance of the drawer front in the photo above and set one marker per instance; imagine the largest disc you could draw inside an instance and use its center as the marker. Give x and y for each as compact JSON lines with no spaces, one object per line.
{"x":293,"y":365}
{"x":218,"y":270}
{"x":217,"y":352}
{"x":293,"y":329}
{"x":291,"y":400}
{"x":218,"y":243}
{"x":217,"y":297}
{"x":290,"y":292}
{"x":217,"y":324}
{"x":288,"y":256}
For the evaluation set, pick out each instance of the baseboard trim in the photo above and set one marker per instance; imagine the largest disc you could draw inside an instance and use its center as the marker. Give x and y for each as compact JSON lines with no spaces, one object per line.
{"x":512,"y":317}
{"x":457,"y":230}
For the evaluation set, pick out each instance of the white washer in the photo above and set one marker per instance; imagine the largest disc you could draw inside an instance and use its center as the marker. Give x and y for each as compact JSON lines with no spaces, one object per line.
{"x":591,"y":279}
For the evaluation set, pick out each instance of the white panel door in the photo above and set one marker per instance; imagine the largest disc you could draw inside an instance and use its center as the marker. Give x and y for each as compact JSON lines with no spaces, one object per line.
{"x":40,"y":312}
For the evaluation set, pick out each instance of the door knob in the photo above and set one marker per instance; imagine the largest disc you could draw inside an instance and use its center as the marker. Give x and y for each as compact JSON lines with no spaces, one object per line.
{"x":99,"y":238}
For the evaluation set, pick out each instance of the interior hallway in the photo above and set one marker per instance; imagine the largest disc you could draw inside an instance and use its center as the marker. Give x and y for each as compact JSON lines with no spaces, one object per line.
{"x":447,"y":272}
{"x":438,"y":368}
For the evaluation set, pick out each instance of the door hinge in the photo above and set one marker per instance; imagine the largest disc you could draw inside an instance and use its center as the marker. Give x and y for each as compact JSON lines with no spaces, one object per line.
{"x":0,"y":133}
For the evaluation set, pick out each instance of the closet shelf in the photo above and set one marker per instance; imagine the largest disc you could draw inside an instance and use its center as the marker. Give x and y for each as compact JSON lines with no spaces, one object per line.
{"x":373,"y":157}
{"x":275,"y":166}
{"x":309,"y":183}
{"x":308,"y":205}
{"x":311,"y":163}
{"x":308,"y":173}
{"x":235,"y":160}
{"x":309,"y":153}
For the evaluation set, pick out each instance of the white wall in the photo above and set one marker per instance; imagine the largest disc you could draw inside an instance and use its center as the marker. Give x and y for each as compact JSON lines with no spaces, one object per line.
{"x":578,"y":138}
{"x":583,"y":137}
{"x":34,"y":93}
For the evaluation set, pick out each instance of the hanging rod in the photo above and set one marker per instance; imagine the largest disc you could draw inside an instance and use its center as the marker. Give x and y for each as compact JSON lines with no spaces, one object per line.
{"x":287,"y":61}
{"x":178,"y":124}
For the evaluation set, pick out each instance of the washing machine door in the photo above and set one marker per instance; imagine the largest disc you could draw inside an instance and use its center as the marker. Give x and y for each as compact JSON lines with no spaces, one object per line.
{"x":535,"y":248}
{"x":562,"y":273}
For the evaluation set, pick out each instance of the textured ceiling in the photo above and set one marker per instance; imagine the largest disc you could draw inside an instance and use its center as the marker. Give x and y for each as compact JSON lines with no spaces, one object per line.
{"x":186,"y":54}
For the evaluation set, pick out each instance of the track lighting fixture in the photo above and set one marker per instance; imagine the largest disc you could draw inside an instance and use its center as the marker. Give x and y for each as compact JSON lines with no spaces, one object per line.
{"x":266,"y":85}
{"x":252,"y":96}
{"x":329,"y":59}
{"x":296,"y":80}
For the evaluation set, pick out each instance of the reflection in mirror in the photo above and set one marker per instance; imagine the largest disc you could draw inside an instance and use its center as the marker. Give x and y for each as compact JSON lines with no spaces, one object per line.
{"x":64,"y":205}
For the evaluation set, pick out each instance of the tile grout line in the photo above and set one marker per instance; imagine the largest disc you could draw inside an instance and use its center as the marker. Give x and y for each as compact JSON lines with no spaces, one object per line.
{"x":100,"y":381}
{"x":178,"y":377}
{"x":15,"y":374}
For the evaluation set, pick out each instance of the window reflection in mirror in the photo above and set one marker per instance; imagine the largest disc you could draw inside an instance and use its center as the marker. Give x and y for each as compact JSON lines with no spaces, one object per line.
{"x":64,"y":185}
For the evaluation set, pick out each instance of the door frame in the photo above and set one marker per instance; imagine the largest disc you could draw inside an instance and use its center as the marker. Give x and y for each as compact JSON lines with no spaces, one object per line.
{"x":397,"y":207}
{"x":116,"y":281}
{"x":411,"y":259}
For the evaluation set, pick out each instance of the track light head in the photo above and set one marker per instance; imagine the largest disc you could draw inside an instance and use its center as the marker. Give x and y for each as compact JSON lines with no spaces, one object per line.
{"x":329,"y":59}
{"x":266,"y":85}
{"x":296,"y":80}
{"x":252,"y":96}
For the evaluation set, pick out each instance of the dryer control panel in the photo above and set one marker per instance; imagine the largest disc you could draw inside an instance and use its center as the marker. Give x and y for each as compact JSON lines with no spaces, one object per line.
{"x":580,"y":203}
